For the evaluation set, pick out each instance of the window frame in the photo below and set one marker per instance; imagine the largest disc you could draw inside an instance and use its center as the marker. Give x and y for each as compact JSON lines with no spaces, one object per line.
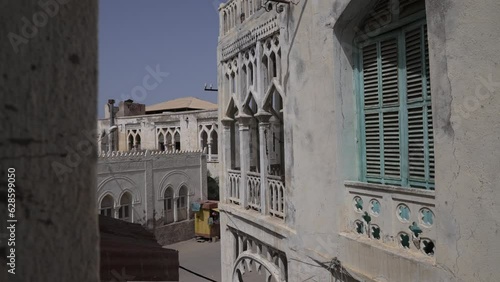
{"x":394,"y":30}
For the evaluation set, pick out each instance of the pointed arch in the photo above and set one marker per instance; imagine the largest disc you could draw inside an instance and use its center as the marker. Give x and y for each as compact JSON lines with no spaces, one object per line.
{"x":177,"y":140}
{"x":125,"y":210}
{"x":106,"y":205}
{"x":248,"y":261}
{"x":168,"y":205}
{"x":161,"y":141}
{"x":204,"y":140}
{"x":182,"y":203}
{"x":214,"y":138}
{"x":233,"y":108}
{"x":137,"y":144}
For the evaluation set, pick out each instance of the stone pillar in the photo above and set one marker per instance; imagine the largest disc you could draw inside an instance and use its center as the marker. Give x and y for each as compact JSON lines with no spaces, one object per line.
{"x":264,"y":131}
{"x":259,"y":83}
{"x":238,"y":13}
{"x":209,"y":150}
{"x":244,"y":123}
{"x":149,"y":194}
{"x":227,"y":123}
{"x":48,"y":81}
{"x":174,"y":199}
{"x":221,"y":22}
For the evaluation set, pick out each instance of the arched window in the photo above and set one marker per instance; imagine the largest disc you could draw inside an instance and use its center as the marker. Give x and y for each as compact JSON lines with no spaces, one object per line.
{"x":130,"y":142}
{"x":169,"y":141}
{"x":168,"y":209}
{"x":106,"y":207}
{"x":177,"y":139}
{"x":161,"y":142}
{"x":204,"y":140}
{"x":214,"y":144}
{"x":138,"y":142}
{"x":125,"y":210}
{"x":182,"y":204}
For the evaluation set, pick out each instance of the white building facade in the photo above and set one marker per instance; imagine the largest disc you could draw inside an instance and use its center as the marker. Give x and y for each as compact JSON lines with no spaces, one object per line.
{"x":181,"y":125}
{"x":359,"y":140}
{"x":154,"y":189}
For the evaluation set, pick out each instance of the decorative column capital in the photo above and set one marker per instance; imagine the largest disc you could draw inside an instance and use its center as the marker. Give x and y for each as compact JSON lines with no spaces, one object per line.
{"x":263,"y":116}
{"x":244,"y":121}
{"x":227,"y":122}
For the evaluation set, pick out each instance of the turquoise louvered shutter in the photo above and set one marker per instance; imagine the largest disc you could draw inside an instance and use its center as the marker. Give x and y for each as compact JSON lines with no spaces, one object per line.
{"x":398,"y":144}
{"x":420,"y":133}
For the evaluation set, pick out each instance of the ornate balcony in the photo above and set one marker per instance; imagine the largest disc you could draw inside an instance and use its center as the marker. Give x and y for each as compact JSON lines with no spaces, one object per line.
{"x":234,"y":178}
{"x":276,"y":196}
{"x":253,"y":184}
{"x":250,"y":196}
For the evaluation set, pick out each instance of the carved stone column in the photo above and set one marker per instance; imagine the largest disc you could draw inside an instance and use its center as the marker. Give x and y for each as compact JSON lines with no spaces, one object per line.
{"x":264,"y":131}
{"x":227,"y":124}
{"x":244,"y":124}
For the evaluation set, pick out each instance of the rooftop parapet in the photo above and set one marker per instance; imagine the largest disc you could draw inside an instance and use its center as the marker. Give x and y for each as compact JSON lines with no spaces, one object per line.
{"x":146,"y":153}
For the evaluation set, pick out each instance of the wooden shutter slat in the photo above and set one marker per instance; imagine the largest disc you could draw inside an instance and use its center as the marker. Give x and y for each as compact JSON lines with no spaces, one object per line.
{"x":372,"y":144}
{"x":389,"y":70}
{"x":392,"y":153}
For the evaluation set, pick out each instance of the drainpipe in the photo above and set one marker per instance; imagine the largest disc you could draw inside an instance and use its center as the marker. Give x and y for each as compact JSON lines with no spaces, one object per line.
{"x":111,"y":105}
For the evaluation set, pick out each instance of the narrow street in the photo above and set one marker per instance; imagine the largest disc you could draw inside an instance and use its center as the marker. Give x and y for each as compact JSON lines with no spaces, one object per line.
{"x":201,"y":258}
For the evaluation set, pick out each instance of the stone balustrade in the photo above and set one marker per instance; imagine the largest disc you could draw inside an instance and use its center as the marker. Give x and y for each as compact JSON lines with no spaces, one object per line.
{"x":275,"y":193}
{"x":234,"y":194}
{"x":253,"y":186}
{"x":276,"y":199}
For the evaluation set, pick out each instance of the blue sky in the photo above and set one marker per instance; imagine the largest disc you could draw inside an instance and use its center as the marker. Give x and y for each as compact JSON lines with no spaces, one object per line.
{"x":179,"y":37}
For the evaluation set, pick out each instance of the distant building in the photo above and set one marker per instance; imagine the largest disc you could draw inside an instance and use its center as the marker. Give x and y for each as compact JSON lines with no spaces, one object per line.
{"x":184,"y":124}
{"x":162,"y":156}
{"x":154,"y":189}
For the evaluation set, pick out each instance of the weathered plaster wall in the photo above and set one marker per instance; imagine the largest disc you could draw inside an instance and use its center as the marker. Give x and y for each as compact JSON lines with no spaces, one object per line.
{"x":465,"y":70}
{"x":464,"y":77}
{"x":322,"y":146}
{"x":43,"y":86}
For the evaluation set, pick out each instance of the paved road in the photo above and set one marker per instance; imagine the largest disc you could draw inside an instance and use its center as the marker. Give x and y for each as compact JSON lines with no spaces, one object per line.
{"x":201,"y":258}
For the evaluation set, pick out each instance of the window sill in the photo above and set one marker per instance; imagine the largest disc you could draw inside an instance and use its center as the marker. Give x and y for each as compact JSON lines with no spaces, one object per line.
{"x":431,"y":194}
{"x":392,"y":250}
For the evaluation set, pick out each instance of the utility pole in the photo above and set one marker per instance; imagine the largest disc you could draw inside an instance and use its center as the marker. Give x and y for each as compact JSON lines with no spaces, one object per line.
{"x":111,"y":106}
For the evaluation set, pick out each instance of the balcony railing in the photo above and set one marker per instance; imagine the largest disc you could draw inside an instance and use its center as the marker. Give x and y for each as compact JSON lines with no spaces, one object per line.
{"x":275,"y":193}
{"x":276,"y":196}
{"x":253,"y":184}
{"x":234,"y":186}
